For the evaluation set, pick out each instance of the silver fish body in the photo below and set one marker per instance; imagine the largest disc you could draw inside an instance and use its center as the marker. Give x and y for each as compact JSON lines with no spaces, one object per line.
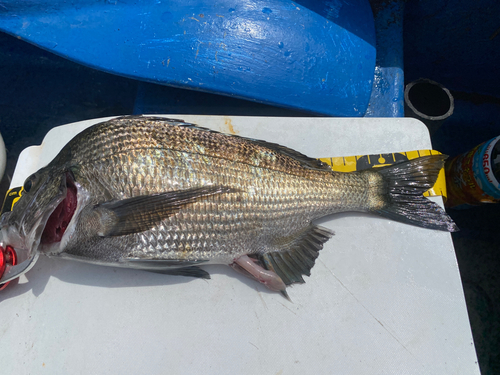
{"x":161,"y":195}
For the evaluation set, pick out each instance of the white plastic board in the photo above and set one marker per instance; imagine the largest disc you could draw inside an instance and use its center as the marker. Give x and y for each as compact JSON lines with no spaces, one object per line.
{"x":383,"y":297}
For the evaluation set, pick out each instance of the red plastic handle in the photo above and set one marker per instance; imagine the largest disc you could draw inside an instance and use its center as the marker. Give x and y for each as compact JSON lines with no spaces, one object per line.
{"x":8,"y":256}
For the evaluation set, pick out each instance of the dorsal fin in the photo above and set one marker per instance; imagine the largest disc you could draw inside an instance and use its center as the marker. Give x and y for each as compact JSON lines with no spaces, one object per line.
{"x":304,"y":160}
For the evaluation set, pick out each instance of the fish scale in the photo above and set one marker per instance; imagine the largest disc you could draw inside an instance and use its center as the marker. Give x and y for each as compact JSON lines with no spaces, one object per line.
{"x":161,"y":195}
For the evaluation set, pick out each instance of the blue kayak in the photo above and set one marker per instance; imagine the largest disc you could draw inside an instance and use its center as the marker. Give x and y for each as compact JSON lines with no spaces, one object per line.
{"x":316,"y":56}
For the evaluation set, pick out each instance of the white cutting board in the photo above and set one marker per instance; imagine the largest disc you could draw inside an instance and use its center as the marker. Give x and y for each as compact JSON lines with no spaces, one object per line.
{"x":383,"y":297}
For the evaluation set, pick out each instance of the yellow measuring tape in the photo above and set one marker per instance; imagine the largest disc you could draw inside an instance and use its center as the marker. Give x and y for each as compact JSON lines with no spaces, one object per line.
{"x":361,"y":162}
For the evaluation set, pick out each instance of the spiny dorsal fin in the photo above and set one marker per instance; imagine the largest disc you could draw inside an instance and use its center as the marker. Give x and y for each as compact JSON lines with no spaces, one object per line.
{"x":299,"y":258}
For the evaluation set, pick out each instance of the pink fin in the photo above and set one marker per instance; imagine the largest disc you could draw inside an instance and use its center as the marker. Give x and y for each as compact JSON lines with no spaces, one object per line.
{"x":250,"y":267}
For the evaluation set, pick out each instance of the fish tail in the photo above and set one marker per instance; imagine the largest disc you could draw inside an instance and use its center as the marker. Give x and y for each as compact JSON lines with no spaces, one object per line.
{"x":399,"y":193}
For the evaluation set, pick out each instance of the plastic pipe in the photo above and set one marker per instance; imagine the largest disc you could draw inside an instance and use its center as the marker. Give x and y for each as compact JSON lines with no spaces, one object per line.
{"x":428,"y":101}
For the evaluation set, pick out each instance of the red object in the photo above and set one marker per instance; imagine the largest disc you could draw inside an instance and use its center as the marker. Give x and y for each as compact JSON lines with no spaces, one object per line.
{"x":8,"y":256}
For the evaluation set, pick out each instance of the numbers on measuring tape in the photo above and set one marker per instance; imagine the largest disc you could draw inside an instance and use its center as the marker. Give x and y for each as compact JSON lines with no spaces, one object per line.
{"x":361,"y":162}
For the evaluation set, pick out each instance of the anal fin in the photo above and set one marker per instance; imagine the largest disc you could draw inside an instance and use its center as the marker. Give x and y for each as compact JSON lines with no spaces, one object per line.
{"x":298,"y":257}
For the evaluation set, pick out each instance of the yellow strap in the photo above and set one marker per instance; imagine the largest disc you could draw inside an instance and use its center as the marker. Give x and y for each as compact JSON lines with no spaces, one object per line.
{"x":360,"y":162}
{"x":11,"y":198}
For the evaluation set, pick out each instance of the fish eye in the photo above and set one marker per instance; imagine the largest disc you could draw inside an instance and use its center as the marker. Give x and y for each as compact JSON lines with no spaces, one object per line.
{"x":28,"y":183}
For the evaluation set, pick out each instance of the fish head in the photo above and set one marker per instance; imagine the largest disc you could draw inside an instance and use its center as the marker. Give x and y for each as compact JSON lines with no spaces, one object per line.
{"x":39,"y":218}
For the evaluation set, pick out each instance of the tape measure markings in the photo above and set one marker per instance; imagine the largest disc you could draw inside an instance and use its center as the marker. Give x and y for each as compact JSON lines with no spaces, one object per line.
{"x":354,"y":163}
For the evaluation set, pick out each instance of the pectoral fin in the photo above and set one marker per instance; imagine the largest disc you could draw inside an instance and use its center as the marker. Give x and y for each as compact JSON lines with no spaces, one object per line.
{"x":138,"y":214}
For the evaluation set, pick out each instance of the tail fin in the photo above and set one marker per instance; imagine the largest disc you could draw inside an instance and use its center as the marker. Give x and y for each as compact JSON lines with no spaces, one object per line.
{"x":403,"y":186}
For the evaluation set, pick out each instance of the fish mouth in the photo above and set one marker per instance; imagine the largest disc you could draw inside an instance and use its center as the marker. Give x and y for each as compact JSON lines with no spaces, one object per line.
{"x":52,"y":232}
{"x":60,"y":218}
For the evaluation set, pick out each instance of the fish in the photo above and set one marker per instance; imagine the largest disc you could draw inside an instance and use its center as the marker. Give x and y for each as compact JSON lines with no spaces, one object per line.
{"x":166,"y":196}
